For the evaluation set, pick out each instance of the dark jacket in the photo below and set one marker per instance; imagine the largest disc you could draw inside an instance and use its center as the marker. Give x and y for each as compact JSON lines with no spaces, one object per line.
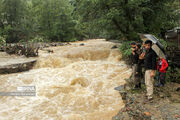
{"x":135,"y":58}
{"x":139,"y":51}
{"x":150,"y":60}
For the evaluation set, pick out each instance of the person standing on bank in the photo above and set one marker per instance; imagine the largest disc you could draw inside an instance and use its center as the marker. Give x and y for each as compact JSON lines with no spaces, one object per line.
{"x":134,"y":58}
{"x":139,"y":68}
{"x":161,"y":67}
{"x":150,"y":68}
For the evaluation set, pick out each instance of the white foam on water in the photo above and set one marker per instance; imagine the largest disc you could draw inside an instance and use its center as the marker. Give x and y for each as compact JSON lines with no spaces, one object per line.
{"x":74,"y":83}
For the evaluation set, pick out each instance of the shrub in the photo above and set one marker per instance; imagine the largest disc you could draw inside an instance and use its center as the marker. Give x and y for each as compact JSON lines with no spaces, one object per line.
{"x":163,"y":42}
{"x":173,"y":74}
{"x":2,"y":41}
{"x":125,"y":49}
{"x":38,"y":39}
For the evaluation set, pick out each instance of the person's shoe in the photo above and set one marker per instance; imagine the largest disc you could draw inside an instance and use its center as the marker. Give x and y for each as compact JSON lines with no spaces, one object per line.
{"x":163,"y":84}
{"x":150,"y":98}
{"x":157,"y":85}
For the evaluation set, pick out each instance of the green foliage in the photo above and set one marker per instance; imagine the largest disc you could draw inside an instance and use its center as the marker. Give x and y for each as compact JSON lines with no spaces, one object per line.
{"x":12,"y":15}
{"x":71,"y":20}
{"x":2,"y":41}
{"x":117,"y":19}
{"x":173,"y":74}
{"x":38,"y":39}
{"x":55,"y":20}
{"x":23,"y":20}
{"x":125,"y":49}
{"x":163,"y":42}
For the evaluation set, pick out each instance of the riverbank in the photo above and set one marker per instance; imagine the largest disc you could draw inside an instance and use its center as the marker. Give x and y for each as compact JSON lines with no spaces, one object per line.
{"x":14,"y":64}
{"x":164,"y":106}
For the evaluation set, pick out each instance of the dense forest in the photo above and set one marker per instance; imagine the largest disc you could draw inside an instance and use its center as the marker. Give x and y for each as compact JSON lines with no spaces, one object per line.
{"x":71,"y":20}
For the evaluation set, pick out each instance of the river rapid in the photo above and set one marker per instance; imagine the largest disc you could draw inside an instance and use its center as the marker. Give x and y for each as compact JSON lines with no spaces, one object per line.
{"x":72,"y":83}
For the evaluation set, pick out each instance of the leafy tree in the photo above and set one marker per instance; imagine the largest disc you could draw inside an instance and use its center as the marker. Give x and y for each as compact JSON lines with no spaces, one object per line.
{"x":123,"y":19}
{"x":12,"y":15}
{"x":55,"y":19}
{"x":70,"y":20}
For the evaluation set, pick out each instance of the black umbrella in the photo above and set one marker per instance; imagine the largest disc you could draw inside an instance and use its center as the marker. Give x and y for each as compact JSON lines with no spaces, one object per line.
{"x":157,"y":46}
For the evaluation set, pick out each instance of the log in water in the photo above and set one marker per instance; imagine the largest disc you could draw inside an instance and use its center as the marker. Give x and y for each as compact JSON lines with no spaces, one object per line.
{"x":73,"y":83}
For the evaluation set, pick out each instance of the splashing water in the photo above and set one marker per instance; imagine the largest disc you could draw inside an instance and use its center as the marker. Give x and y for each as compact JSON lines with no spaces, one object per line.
{"x":74,"y":83}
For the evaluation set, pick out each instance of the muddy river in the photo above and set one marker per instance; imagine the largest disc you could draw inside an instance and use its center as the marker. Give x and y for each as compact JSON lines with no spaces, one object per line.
{"x":73,"y":83}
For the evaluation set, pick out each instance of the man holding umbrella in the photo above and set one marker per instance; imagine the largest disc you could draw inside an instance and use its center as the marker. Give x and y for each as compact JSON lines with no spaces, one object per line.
{"x":150,"y":68}
{"x":153,"y":48}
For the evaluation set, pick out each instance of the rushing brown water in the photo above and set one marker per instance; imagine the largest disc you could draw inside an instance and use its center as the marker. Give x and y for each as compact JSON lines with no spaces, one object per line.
{"x":73,"y":83}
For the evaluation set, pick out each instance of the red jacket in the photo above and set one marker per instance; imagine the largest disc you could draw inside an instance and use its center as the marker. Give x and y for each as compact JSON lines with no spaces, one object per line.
{"x":163,"y":67}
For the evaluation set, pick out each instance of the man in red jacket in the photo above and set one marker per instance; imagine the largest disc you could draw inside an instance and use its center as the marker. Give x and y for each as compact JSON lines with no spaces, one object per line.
{"x":161,"y":67}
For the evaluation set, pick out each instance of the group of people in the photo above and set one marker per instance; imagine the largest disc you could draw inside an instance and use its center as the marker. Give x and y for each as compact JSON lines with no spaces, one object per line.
{"x":144,"y":55}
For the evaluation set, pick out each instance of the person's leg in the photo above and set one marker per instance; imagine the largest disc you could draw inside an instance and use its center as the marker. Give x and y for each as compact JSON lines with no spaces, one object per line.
{"x":162,"y":78}
{"x":139,"y":75}
{"x":136,"y":77}
{"x":143,"y":76}
{"x":133,"y":73}
{"x":149,"y":83}
{"x":138,"y":81}
{"x":158,"y":83}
